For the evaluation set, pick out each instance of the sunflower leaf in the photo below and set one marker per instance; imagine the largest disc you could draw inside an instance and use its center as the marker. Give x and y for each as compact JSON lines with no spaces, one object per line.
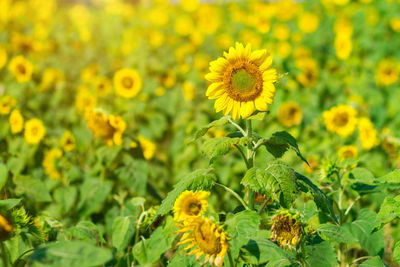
{"x":203,"y":130}
{"x":219,"y":146}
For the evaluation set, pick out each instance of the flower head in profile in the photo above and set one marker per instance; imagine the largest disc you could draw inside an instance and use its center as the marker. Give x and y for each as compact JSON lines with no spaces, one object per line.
{"x":21,"y":68}
{"x":67,"y":141}
{"x":109,"y":127}
{"x":290,"y":114}
{"x":367,"y":134}
{"x":190,"y":204}
{"x":16,"y":121}
{"x":341,"y":120}
{"x":242,"y":81}
{"x":34,"y":131}
{"x":7,"y":103}
{"x":127,"y":83}
{"x":148,"y":147}
{"x":204,"y":237}
{"x":287,"y":229}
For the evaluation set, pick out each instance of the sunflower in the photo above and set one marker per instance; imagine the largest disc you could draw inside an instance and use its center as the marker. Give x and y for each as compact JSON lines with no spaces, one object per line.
{"x":50,"y":163}
{"x":85,"y":100}
{"x":286,"y":229}
{"x":347,"y":152}
{"x":290,"y":114}
{"x":102,"y":85}
{"x":3,"y":57}
{"x":387,"y":72}
{"x":190,"y":204}
{"x":7,"y":103}
{"x":148,"y":147}
{"x":5,"y":228}
{"x":67,"y":141}
{"x":341,"y":120}
{"x":16,"y":121}
{"x":367,"y":134}
{"x":309,"y":71}
{"x":210,"y":240}
{"x":127,"y":83}
{"x":52,"y":78}
{"x":34,"y":131}
{"x":21,"y":68}
{"x":242,"y":81}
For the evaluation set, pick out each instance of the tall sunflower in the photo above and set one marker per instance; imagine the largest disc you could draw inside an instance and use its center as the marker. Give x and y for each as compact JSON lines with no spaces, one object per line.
{"x":206,"y":238}
{"x":190,"y":204}
{"x":242,"y":81}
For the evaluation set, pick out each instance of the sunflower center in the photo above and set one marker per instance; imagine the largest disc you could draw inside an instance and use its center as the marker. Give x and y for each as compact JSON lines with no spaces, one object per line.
{"x":21,"y":69}
{"x":127,"y":82}
{"x":341,"y":119}
{"x":243,"y":81}
{"x":348,"y":154}
{"x":206,"y":239}
{"x":194,"y":208}
{"x":34,"y":130}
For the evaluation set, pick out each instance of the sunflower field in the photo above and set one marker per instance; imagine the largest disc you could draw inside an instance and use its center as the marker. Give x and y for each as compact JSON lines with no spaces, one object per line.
{"x":192,"y":132}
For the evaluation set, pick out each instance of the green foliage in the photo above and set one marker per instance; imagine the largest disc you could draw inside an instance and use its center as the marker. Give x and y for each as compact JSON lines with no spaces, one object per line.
{"x":373,"y":262}
{"x":396,"y":252}
{"x":335,"y":233}
{"x":390,"y":209}
{"x":219,"y":146}
{"x":3,"y":175}
{"x":33,"y":187}
{"x":392,"y":177}
{"x":321,"y":254}
{"x":122,"y":232}
{"x":217,"y":123}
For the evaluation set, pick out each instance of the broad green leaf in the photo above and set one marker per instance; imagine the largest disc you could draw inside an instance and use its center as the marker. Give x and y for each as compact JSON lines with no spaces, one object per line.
{"x":241,"y":227}
{"x":69,"y":254}
{"x":93,"y":194}
{"x":335,"y":233}
{"x":261,"y":250}
{"x":134,"y":174}
{"x":33,"y":187}
{"x":396,"y":252}
{"x":9,"y":203}
{"x":391,"y":177}
{"x":138,"y":201}
{"x":324,"y":203}
{"x":85,"y":231}
{"x":280,"y":142}
{"x":390,"y":209}
{"x":362,"y":175}
{"x":373,"y":262}
{"x":65,"y":197}
{"x":258,"y":116}
{"x":260,"y":181}
{"x":202,"y":131}
{"x":16,"y":165}
{"x":3,"y":175}
{"x":182,"y":260}
{"x":203,"y":179}
{"x":321,"y":254}
{"x":122,"y":232}
{"x":219,"y":146}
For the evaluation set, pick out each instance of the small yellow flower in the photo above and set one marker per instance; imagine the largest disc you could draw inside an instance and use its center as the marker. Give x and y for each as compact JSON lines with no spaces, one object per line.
{"x":16,"y":121}
{"x":85,"y":100}
{"x":367,"y":133}
{"x":343,"y":46}
{"x":394,"y":24}
{"x":21,"y":68}
{"x":309,"y":74}
{"x":102,"y":85}
{"x":51,"y":79}
{"x":347,"y":152}
{"x":67,"y":141}
{"x":50,"y":163}
{"x":127,"y":83}
{"x":183,"y":25}
{"x":6,"y":104}
{"x":290,"y":114}
{"x":148,"y":147}
{"x":34,"y":131}
{"x":3,"y":57}
{"x":189,"y":91}
{"x":89,"y":73}
{"x":242,"y":81}
{"x":190,"y":204}
{"x":281,"y":32}
{"x":206,"y":238}
{"x":308,"y":22}
{"x":341,"y":120}
{"x":387,"y":72}
{"x":5,"y":228}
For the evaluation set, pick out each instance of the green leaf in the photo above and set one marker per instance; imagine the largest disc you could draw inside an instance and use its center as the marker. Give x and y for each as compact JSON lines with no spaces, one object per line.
{"x":259,"y":116}
{"x":335,"y":233}
{"x":321,"y":254}
{"x":280,"y":142}
{"x":362,"y":175}
{"x":373,"y":262}
{"x":202,"y":131}
{"x":9,"y":203}
{"x":260,"y":250}
{"x":324,"y":203}
{"x":3,"y":175}
{"x":134,"y":174}
{"x":241,"y":227}
{"x":93,"y":194}
{"x":138,"y":201}
{"x":396,"y":252}
{"x":390,"y":209}
{"x":219,"y":146}
{"x":33,"y":187}
{"x":70,"y":254}
{"x":203,"y":179}
{"x":391,"y":177}
{"x":85,"y":231}
{"x":122,"y":232}
{"x":181,"y":260}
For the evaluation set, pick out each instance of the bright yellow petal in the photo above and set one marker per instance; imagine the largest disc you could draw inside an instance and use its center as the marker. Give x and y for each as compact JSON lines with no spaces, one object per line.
{"x":270,"y":75}
{"x":246,"y":109}
{"x":260,"y":104}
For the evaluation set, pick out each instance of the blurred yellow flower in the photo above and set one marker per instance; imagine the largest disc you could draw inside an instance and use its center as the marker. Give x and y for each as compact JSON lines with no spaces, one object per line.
{"x":242,"y":81}
{"x":102,"y":85}
{"x":387,"y":72}
{"x":343,"y":46}
{"x":34,"y":131}
{"x":6,"y":104}
{"x":189,"y":91}
{"x":67,"y":141}
{"x":21,"y":69}
{"x":50,"y":163}
{"x":51,"y":79}
{"x":290,"y":114}
{"x":183,"y":25}
{"x":308,"y":22}
{"x":367,"y":134}
{"x":347,"y":152}
{"x":309,"y":74}
{"x":190,"y":204}
{"x":5,"y":228}
{"x":85,"y":100}
{"x":127,"y":83}
{"x":281,"y":31}
{"x":89,"y":73}
{"x":394,"y":24}
{"x":148,"y":147}
{"x":341,"y":120}
{"x":3,"y":57}
{"x":16,"y":121}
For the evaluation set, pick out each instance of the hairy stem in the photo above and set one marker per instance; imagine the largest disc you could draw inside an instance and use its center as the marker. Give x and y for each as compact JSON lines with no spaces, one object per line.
{"x":250,"y":160}
{"x":233,"y":193}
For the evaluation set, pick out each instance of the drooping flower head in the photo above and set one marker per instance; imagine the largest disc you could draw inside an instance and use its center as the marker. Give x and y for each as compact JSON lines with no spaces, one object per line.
{"x":204,"y":237}
{"x":341,"y":120}
{"x":190,"y":204}
{"x":242,"y":81}
{"x":286,"y":229}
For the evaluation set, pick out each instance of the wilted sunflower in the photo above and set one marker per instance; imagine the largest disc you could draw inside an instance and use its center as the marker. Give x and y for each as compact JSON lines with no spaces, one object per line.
{"x":286,"y":229}
{"x":190,"y":204}
{"x":206,"y":238}
{"x":341,"y":120}
{"x":242,"y":81}
{"x":21,"y":68}
{"x":127,"y":83}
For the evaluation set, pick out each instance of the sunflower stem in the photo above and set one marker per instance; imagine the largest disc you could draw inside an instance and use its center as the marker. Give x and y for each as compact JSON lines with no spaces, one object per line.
{"x":3,"y":254}
{"x":234,"y":194}
{"x":230,"y":259}
{"x":250,"y":161}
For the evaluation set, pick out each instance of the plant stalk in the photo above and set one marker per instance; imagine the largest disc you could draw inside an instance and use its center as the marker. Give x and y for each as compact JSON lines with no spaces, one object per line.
{"x":250,"y":161}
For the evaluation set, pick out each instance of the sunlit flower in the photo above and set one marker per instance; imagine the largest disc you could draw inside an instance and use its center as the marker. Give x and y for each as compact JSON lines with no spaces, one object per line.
{"x":347,"y":152}
{"x":206,"y":238}
{"x":21,"y":69}
{"x":286,"y":229}
{"x":148,"y":147}
{"x":387,"y":72}
{"x":127,"y":83}
{"x":34,"y":131}
{"x":67,"y":141}
{"x":367,"y":133}
{"x":290,"y":114}
{"x":343,"y":46}
{"x":341,"y":120}
{"x":190,"y":204}
{"x":308,"y":22}
{"x":50,"y":163}
{"x":7,"y":103}
{"x":242,"y":81}
{"x":16,"y":121}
